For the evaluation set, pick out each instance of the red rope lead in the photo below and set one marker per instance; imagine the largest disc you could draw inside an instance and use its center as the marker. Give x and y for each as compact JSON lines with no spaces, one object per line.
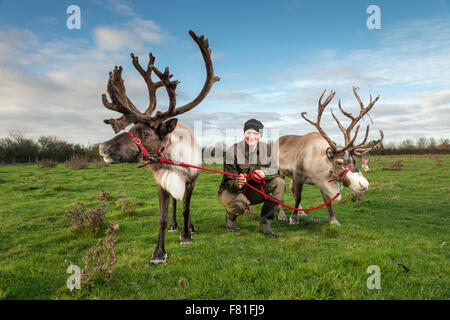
{"x":262,"y":181}
{"x":297,"y":209}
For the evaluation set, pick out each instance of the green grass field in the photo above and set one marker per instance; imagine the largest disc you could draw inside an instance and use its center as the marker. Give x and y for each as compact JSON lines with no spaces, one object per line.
{"x":405,"y":219}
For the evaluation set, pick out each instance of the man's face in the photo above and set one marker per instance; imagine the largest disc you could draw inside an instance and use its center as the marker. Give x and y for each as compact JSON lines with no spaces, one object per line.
{"x":252,"y":137}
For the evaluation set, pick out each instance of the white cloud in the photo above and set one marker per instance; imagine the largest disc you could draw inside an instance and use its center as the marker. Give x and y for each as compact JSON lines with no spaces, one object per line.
{"x":109,"y":39}
{"x":53,"y":88}
{"x":231,"y":95}
{"x":121,"y":7}
{"x":132,"y":36}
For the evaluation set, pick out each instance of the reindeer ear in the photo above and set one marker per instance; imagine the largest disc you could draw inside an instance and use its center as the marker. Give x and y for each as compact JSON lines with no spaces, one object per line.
{"x":166,"y":127}
{"x":330,"y":153}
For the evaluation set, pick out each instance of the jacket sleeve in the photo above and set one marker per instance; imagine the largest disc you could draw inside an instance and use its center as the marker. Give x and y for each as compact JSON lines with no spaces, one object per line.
{"x":230,"y":165}
{"x":271,"y":170}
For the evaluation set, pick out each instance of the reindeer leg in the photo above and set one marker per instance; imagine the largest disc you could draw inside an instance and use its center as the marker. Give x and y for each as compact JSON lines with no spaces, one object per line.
{"x":160,"y":255}
{"x":191,"y":226}
{"x":174,"y":225}
{"x":282,"y":215}
{"x":298,"y":195}
{"x":296,"y":190}
{"x":331,"y":218}
{"x":186,"y":236}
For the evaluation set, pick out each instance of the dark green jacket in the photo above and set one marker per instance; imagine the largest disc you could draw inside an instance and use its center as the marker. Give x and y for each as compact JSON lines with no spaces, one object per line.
{"x":238,"y":159}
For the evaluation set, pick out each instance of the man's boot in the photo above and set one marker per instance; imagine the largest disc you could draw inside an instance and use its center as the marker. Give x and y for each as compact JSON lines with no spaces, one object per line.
{"x":231,"y":221}
{"x":267,"y":215}
{"x":264,"y":228}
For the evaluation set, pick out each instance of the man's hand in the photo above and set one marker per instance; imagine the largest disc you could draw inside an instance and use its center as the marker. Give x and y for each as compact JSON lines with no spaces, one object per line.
{"x":260,"y":173}
{"x":240,"y":181}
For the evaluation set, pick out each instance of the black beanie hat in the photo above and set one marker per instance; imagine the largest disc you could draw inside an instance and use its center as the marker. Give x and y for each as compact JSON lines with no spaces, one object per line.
{"x":253,"y":124}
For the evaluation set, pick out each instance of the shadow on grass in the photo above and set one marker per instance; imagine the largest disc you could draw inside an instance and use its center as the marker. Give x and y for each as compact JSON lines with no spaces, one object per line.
{"x":310,"y":223}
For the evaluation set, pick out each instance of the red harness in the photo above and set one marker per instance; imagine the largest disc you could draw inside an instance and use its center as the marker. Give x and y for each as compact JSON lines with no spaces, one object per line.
{"x":145,"y":152}
{"x":341,"y":176}
{"x":260,"y":181}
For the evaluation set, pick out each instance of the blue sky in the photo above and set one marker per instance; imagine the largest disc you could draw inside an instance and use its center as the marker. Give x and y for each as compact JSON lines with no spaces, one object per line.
{"x":274,"y":59}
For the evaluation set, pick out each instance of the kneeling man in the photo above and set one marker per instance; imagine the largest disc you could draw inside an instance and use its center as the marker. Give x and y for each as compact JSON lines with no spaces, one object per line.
{"x":242,"y":158}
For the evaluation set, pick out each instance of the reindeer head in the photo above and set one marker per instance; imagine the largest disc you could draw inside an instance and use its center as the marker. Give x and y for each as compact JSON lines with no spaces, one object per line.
{"x":342,"y":161}
{"x":151,"y":130}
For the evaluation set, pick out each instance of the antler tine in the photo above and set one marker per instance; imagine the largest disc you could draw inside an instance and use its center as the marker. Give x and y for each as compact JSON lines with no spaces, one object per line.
{"x":303,"y":115}
{"x":364,"y":110}
{"x":346,"y":137}
{"x":348,"y":115}
{"x":350,"y":143}
{"x":358,"y":98}
{"x":137,"y":65}
{"x":120,"y":102}
{"x":354,"y":120}
{"x":147,"y":75}
{"x":171,"y":87}
{"x":365,"y":138}
{"x":321,"y":108}
{"x":328,"y":99}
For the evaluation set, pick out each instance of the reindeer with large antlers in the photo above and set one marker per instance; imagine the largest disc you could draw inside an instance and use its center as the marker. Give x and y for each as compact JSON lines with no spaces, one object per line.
{"x":158,"y":133}
{"x":315,"y":159}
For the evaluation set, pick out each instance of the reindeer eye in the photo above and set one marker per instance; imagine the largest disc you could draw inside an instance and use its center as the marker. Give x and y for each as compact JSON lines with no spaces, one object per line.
{"x":146,"y":134}
{"x":339,"y":163}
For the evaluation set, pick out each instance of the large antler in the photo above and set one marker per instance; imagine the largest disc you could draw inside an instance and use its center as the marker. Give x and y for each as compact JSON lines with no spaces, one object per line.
{"x":354,"y":120}
{"x":121,"y":103}
{"x":147,"y":75}
{"x":130,"y":114}
{"x":171,"y":86}
{"x":349,"y":142}
{"x":321,"y":108}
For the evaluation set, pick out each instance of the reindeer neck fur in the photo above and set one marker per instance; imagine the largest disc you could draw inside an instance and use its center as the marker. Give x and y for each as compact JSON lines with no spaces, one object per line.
{"x":183,"y":147}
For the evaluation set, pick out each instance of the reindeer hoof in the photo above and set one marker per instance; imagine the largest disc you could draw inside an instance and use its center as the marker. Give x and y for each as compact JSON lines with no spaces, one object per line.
{"x":282,"y":217}
{"x":172,"y":228}
{"x":335,"y":222}
{"x":184,"y":240}
{"x":293,"y":220}
{"x":158,"y":259}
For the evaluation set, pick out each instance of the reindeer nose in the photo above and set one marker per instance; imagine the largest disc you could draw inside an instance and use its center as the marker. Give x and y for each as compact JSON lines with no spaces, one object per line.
{"x":364,"y":186}
{"x":104,"y":150}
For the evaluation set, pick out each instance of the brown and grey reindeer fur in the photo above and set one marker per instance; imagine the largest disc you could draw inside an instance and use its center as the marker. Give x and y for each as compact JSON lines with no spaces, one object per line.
{"x":155,"y":132}
{"x":315,"y":159}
